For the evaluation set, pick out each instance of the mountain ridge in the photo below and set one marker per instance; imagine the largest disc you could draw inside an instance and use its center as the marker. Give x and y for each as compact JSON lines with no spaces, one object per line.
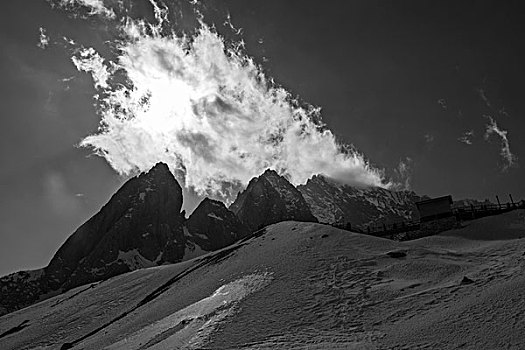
{"x":142,"y":226}
{"x":338,"y":204}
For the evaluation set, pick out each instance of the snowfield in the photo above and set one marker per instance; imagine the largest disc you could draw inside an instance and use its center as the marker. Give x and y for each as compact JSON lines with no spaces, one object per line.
{"x":303,"y":286}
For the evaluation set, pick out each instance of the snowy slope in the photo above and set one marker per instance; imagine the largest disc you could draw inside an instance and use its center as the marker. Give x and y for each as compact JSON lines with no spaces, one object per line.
{"x":303,"y":285}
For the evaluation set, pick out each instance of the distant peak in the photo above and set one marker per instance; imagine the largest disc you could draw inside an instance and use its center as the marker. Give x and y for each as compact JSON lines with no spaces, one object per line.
{"x":324,"y":179}
{"x":321,"y":178}
{"x":318,"y":177}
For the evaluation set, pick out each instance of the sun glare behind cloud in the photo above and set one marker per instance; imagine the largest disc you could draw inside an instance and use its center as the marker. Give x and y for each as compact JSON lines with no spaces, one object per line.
{"x":208,"y":110}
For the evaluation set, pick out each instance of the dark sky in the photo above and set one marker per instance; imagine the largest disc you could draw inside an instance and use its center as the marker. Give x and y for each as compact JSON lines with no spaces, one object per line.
{"x":377,"y":69}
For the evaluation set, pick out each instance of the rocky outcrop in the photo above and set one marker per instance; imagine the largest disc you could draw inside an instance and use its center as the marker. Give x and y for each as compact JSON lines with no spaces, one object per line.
{"x":22,"y":288}
{"x":212,"y":226}
{"x":269,"y":199}
{"x":141,"y":225}
{"x":338,"y":204}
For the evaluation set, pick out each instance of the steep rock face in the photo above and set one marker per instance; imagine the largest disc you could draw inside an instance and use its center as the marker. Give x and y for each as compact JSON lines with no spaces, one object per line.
{"x":212,"y":226}
{"x":338,"y":204}
{"x":141,"y":225}
{"x":268,"y":199}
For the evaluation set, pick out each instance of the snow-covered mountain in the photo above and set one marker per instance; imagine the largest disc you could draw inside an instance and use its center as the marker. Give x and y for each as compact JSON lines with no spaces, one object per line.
{"x":268,"y":199}
{"x":141,"y":226}
{"x":338,"y":204}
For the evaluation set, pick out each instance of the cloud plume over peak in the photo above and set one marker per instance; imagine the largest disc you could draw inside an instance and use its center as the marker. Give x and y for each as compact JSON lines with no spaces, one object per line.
{"x":207,"y":109}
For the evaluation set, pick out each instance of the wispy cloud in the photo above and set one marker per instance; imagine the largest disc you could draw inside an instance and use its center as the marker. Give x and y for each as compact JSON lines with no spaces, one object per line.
{"x":442,"y":103}
{"x":43,"y":39}
{"x":492,"y":128}
{"x":466,"y":137}
{"x":228,"y":23}
{"x":483,"y":96}
{"x":403,"y":174}
{"x":89,"y":61}
{"x":503,"y":112}
{"x":96,"y":7}
{"x":429,"y":138}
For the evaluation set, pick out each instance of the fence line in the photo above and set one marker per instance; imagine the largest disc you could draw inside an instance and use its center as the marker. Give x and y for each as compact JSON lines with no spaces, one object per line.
{"x":463,"y":213}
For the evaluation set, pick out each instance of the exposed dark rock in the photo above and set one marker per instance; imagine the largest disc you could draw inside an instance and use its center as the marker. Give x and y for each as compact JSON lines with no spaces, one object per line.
{"x":397,"y":254}
{"x":66,"y":346}
{"x":140,"y":223}
{"x":269,"y":199}
{"x":212,"y":226}
{"x":466,"y":280}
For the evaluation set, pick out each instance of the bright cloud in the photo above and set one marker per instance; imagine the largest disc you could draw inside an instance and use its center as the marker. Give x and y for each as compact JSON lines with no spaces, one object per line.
{"x":89,"y":61}
{"x":492,"y":128}
{"x":208,"y":111}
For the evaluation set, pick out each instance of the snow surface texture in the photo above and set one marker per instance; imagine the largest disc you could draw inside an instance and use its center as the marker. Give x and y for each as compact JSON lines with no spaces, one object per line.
{"x":194,"y":323}
{"x":304,"y":286}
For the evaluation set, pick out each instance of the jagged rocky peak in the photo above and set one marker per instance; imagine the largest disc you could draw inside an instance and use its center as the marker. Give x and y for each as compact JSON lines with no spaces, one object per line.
{"x":335,"y":203}
{"x":268,"y":199}
{"x":212,"y":226}
{"x":143,"y":218}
